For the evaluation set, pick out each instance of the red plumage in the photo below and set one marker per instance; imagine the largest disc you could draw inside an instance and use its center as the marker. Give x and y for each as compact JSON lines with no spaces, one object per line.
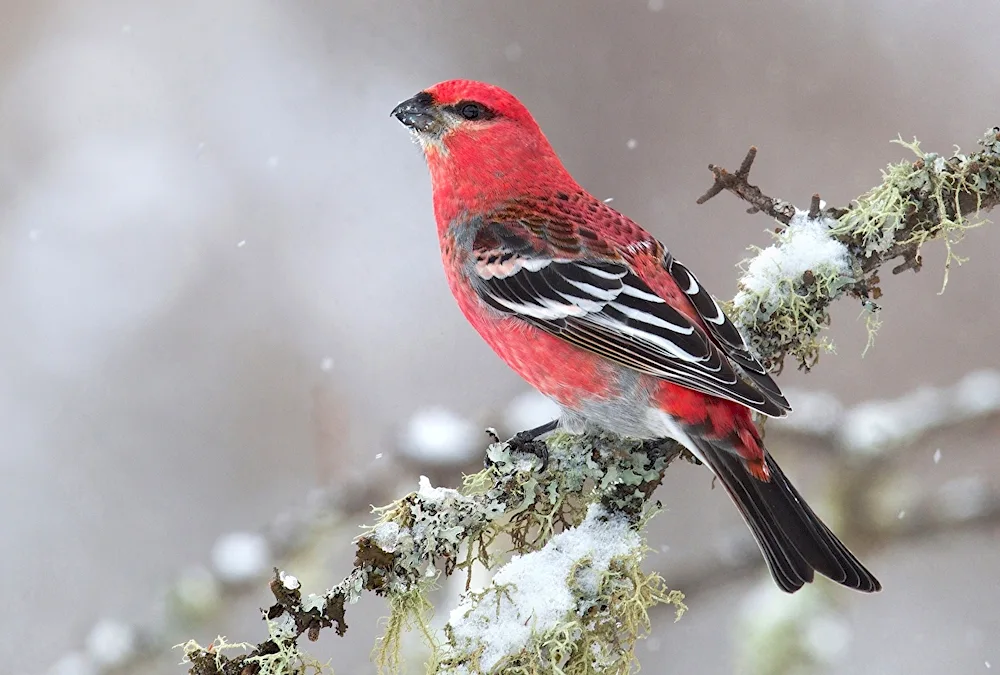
{"x":595,"y":313}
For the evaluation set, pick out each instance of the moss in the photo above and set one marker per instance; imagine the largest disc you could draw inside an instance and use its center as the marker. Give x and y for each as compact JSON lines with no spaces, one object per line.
{"x":279,"y":655}
{"x":407,"y":611}
{"x":923,"y":200}
{"x":597,"y":637}
{"x":934,"y":197}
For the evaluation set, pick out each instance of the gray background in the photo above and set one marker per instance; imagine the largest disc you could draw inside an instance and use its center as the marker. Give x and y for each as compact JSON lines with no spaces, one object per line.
{"x":162,"y":383}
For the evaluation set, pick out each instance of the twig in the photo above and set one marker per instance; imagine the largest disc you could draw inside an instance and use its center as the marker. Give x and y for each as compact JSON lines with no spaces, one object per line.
{"x":738,"y":184}
{"x":815,"y":207}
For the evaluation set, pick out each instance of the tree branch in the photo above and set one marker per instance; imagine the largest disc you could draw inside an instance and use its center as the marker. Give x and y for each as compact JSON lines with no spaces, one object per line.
{"x":739,"y":185}
{"x":783,"y":307}
{"x":440,"y":531}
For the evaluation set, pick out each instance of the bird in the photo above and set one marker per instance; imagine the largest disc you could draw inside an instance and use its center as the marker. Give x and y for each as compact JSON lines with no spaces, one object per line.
{"x":598,"y":315}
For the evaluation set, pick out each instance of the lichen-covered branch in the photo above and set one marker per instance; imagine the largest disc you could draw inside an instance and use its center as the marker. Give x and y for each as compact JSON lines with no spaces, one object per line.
{"x":436,"y":531}
{"x":825,"y":253}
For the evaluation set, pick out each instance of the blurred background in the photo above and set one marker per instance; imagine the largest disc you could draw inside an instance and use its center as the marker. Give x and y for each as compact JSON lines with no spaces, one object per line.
{"x":223,"y":308}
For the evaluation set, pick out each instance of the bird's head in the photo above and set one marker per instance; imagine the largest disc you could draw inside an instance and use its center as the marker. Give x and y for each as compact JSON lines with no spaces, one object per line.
{"x":478,"y":135}
{"x":456,"y":111}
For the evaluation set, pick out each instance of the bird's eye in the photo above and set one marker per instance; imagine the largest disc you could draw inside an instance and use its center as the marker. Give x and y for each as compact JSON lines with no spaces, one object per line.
{"x":471,"y":111}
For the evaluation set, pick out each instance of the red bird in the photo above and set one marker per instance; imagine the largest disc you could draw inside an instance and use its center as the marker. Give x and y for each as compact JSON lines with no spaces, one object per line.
{"x":597,"y":315}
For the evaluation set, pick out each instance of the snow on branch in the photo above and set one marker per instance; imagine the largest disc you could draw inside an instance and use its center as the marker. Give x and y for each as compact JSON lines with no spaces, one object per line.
{"x":825,"y":253}
{"x":576,"y":600}
{"x":573,"y":598}
{"x":582,"y":518}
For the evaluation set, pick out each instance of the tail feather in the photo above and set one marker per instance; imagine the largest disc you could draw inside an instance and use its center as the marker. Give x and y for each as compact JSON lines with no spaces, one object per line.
{"x":794,"y":541}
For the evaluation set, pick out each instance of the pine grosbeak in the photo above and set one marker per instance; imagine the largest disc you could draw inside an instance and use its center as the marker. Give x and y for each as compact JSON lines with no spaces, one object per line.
{"x":597,"y":315}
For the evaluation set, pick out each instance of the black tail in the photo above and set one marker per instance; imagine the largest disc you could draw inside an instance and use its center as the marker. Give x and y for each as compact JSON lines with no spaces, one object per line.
{"x":793,"y":539}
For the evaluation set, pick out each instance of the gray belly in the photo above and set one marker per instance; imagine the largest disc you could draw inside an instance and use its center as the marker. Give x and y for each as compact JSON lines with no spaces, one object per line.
{"x":627,"y":414}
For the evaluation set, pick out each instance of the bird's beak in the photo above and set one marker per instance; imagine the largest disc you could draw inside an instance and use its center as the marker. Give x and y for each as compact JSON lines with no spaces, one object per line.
{"x":419,"y":114}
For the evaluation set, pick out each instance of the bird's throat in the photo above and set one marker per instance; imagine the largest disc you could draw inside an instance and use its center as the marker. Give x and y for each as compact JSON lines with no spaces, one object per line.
{"x":475,"y":179}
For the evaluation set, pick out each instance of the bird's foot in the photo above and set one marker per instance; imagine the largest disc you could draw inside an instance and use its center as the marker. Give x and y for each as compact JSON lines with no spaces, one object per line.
{"x":670,"y":449}
{"x":526,"y":442}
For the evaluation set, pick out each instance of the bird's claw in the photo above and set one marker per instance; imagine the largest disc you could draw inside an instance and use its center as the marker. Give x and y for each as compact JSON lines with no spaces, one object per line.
{"x":522,"y":442}
{"x":673,"y":450}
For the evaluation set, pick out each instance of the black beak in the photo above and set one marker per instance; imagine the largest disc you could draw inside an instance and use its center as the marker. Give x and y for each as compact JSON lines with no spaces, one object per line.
{"x":417,"y":113}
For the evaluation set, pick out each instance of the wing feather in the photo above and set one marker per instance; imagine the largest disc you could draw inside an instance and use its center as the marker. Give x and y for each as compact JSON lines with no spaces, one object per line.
{"x":725,"y":333}
{"x":605,"y":308}
{"x":602,"y":306}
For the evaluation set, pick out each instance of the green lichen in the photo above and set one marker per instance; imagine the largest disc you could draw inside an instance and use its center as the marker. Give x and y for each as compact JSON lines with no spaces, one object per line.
{"x":873,"y":322}
{"x":213,"y":658}
{"x":924,"y":200}
{"x":789,"y":320}
{"x":597,"y":636}
{"x":280,"y":655}
{"x":408,"y":610}
{"x":512,"y":502}
{"x":934,"y":197}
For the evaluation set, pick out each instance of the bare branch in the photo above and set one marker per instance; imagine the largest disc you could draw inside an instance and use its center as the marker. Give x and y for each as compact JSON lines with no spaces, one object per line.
{"x":738,"y":184}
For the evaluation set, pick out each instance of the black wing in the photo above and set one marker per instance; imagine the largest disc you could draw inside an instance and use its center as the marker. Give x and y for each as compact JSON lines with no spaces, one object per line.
{"x":725,"y":333}
{"x":603,"y":307}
